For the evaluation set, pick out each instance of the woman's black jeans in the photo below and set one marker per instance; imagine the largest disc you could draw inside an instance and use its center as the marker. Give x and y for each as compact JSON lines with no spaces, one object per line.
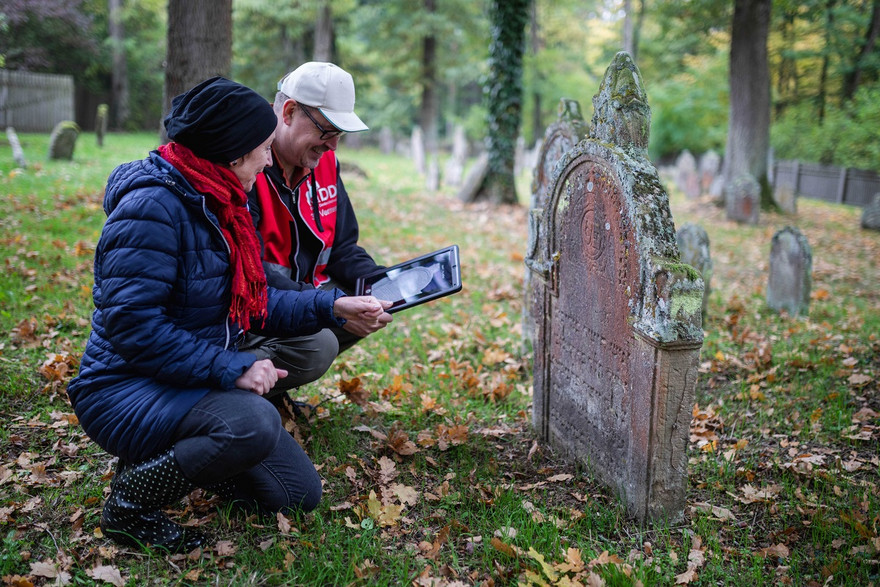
{"x":237,"y":436}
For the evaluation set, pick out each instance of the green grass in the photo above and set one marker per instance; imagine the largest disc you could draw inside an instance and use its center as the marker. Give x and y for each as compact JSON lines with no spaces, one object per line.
{"x":784,"y":406}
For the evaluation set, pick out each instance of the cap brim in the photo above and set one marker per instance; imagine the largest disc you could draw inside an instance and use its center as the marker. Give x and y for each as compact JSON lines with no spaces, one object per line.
{"x":347,"y":121}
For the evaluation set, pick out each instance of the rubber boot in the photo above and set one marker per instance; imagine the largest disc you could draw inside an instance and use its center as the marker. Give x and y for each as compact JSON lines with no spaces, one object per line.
{"x":132,"y":514}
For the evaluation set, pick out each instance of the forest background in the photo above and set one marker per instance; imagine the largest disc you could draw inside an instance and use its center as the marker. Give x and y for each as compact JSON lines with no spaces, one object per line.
{"x":823,"y":62}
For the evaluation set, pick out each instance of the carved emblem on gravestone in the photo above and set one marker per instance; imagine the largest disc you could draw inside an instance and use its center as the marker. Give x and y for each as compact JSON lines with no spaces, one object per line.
{"x":559,"y":137}
{"x":63,"y":140}
{"x":693,"y":245}
{"x":742,"y":199}
{"x":617,"y":347}
{"x":791,"y":272}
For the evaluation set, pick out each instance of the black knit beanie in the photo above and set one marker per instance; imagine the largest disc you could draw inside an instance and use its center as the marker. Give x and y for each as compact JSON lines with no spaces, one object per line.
{"x":220,"y":120}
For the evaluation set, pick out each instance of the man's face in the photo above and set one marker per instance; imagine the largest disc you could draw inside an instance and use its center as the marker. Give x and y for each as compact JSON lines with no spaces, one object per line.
{"x":299,"y":143}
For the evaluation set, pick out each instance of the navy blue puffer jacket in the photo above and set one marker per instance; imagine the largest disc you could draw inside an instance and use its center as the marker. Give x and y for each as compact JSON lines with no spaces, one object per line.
{"x":161,"y":335}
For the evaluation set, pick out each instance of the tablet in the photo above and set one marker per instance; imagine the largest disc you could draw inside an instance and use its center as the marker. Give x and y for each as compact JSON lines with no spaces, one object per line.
{"x":415,"y":281}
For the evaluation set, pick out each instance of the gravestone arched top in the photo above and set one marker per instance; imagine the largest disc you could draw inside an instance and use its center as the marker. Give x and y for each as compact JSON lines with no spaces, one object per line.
{"x":621,"y":115}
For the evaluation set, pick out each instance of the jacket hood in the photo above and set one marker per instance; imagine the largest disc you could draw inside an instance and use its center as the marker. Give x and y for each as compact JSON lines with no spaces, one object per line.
{"x":149,"y":172}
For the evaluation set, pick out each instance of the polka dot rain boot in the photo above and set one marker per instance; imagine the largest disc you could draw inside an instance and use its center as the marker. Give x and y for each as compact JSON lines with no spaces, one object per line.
{"x":132,"y":514}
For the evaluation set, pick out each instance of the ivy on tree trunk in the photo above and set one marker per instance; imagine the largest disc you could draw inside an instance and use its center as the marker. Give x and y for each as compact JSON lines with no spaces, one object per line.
{"x":503,"y":91}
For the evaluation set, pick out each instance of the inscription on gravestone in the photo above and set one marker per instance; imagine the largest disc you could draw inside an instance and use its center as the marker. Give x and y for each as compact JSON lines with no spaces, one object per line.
{"x":617,"y":346}
{"x":791,"y":269}
{"x":693,"y":245}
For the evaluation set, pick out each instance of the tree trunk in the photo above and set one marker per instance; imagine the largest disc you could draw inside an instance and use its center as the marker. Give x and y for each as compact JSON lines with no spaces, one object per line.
{"x":854,"y":78}
{"x":637,"y":30}
{"x":826,"y":58}
{"x":627,"y":27}
{"x":324,"y":34}
{"x":535,"y":42}
{"x":119,"y":72}
{"x":199,"y":45}
{"x":429,"y":108}
{"x":504,"y":93}
{"x":748,"y":135}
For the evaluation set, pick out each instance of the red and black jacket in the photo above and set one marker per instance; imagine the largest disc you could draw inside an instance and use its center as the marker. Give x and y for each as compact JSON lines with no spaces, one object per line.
{"x":309,"y":232}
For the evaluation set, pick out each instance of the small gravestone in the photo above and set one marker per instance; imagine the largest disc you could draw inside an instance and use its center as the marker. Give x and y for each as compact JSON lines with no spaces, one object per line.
{"x":386,"y":140}
{"x":617,"y":349}
{"x":418,"y":149}
{"x":710,"y":165}
{"x":63,"y":140}
{"x":15,"y":144}
{"x":693,"y":244}
{"x":454,"y":170}
{"x":871,"y":214}
{"x":686,"y":177}
{"x":742,"y":199}
{"x":559,"y":137}
{"x":474,"y":178}
{"x":432,"y":174}
{"x":101,"y":123}
{"x":791,"y":268}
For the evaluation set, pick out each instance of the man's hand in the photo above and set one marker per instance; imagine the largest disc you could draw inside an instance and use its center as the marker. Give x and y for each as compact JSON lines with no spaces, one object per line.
{"x":260,"y":377}
{"x":363,"y":314}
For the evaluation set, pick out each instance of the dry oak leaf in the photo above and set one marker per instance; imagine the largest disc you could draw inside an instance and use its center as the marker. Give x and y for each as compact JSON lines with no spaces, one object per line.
{"x":354,"y":391}
{"x":778,"y":550}
{"x":107,"y":574}
{"x":717,"y":511}
{"x":686,"y":577}
{"x":400,"y":443}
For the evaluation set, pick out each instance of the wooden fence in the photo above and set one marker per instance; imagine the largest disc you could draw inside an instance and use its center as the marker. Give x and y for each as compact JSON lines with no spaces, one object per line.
{"x":34,"y":102}
{"x":841,"y":185}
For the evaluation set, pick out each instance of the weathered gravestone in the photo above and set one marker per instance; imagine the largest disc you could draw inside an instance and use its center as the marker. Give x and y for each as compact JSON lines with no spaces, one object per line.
{"x":871,"y":214}
{"x":710,"y":165}
{"x":686,"y":177}
{"x":417,"y":147}
{"x":617,"y":348}
{"x":791,"y":272}
{"x":559,"y":137}
{"x":386,"y":140}
{"x":101,"y":123}
{"x":742,"y":199}
{"x":63,"y":140}
{"x":454,"y":170}
{"x":15,"y":144}
{"x":693,"y":245}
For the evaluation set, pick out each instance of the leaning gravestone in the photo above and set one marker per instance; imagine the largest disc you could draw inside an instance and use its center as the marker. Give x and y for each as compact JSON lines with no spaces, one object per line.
{"x":871,"y":214}
{"x":559,"y":137}
{"x":791,"y":268}
{"x":742,"y":199}
{"x":15,"y":144}
{"x":617,"y":347}
{"x":686,"y":177}
{"x":101,"y":123}
{"x":63,"y":140}
{"x":693,"y":244}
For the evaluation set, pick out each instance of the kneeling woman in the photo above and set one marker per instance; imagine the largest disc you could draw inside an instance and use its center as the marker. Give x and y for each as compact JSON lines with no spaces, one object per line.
{"x":178,"y":280}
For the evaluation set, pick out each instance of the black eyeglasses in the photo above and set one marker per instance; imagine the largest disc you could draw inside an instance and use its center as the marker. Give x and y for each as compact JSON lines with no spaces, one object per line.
{"x":326,"y":135}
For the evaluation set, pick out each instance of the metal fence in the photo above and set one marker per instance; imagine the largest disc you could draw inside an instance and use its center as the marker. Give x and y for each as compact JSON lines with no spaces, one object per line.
{"x":34,"y":102}
{"x":841,"y":185}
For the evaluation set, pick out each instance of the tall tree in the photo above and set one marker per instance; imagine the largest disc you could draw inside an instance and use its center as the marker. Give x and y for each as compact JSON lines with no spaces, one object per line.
{"x":853,"y":78}
{"x":429,"y":110}
{"x":748,"y":133}
{"x":199,"y":44}
{"x":504,"y":92}
{"x":119,"y":66}
{"x":323,"y":33}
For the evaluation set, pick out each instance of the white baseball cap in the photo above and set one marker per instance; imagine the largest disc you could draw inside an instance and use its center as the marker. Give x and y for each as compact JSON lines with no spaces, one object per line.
{"x":328,"y":88}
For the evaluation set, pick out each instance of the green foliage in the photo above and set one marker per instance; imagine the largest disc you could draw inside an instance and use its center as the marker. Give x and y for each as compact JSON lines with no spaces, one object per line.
{"x":690,"y":108}
{"x":846,"y":137}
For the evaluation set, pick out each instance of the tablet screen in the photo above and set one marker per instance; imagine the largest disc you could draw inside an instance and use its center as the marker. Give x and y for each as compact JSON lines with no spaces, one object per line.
{"x":416,"y":281}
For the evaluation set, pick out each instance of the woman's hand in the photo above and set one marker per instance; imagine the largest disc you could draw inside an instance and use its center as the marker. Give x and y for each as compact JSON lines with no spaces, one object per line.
{"x":260,"y":377}
{"x":363,"y":314}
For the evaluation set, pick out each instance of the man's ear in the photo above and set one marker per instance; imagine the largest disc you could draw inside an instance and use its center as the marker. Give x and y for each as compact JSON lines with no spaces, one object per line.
{"x":287,"y":111}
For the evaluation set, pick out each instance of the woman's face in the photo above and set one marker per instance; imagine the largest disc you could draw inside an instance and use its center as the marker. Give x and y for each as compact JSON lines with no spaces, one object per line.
{"x":247,"y":168}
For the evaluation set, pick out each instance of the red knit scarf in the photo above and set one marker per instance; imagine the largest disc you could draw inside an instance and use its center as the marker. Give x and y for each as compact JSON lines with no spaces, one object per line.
{"x":225,"y":197}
